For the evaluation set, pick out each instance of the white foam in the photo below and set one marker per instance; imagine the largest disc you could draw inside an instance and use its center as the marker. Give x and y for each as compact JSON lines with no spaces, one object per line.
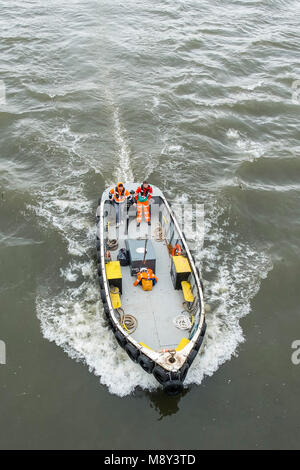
{"x":250,"y":149}
{"x":123,"y":170}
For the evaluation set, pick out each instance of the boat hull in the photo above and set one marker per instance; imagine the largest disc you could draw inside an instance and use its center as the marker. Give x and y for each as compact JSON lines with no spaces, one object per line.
{"x":170,"y":376}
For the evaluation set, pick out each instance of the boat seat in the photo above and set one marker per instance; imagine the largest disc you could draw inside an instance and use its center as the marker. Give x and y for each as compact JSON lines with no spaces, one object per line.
{"x":187,"y":291}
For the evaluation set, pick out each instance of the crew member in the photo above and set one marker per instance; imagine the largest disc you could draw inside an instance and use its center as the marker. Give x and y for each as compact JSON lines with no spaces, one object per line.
{"x":177,"y":250}
{"x":118,"y":196}
{"x":142,"y":196}
{"x":146,"y":278}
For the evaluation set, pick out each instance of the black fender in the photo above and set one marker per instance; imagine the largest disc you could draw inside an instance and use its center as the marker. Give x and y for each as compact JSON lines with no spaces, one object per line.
{"x":173,"y":387}
{"x":192,"y":356}
{"x":198,"y":343}
{"x":183,"y":371}
{"x":103,"y":296}
{"x":146,"y":363}
{"x":161,"y":375}
{"x":99,"y":269}
{"x":203,"y":330}
{"x":98,"y":245}
{"x":106,"y":311}
{"x":120,"y":338}
{"x":132,"y":352}
{"x":101,"y":283}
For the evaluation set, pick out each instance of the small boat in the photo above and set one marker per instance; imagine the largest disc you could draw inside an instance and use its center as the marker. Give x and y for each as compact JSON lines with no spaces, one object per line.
{"x":162,"y":329}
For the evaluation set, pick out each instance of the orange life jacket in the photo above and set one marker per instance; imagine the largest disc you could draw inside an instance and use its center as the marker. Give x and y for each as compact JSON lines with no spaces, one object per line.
{"x":146,"y":277}
{"x":119,"y":195}
{"x":177,"y":250}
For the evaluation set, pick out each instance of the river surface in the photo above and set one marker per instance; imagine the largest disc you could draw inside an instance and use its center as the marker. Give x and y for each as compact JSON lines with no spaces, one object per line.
{"x":202,"y":98}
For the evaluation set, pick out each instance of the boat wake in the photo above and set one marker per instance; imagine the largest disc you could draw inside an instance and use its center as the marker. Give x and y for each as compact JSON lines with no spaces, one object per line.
{"x":72,"y":315}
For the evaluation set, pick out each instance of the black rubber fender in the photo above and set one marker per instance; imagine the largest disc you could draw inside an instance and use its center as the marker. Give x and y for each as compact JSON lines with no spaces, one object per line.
{"x":103,"y":296}
{"x":183,"y":371}
{"x":146,"y":363}
{"x":192,"y":356}
{"x":99,"y":269}
{"x":198,"y":343}
{"x":175,"y":375}
{"x":203,"y":330}
{"x":106,"y":311}
{"x":120,"y":338}
{"x":132,"y":352}
{"x":111,"y":323}
{"x":161,"y":375}
{"x":173,"y":387}
{"x":101,"y":283}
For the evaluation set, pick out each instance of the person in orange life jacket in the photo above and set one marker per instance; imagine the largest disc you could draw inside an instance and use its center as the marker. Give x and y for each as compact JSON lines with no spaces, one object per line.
{"x":145,"y":274}
{"x":177,"y":250}
{"x":142,"y":196}
{"x":118,"y":196}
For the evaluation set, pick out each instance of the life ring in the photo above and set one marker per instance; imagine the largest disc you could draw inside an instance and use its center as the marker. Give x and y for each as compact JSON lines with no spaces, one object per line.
{"x":177,"y":250}
{"x":173,"y":387}
{"x":146,"y":363}
{"x":132,"y":352}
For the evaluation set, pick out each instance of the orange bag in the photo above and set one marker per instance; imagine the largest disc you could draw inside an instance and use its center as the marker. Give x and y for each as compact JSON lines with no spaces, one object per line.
{"x":146,"y":284}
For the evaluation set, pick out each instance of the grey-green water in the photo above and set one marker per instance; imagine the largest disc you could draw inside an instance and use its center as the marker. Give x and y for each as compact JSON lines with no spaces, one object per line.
{"x":201,"y":98}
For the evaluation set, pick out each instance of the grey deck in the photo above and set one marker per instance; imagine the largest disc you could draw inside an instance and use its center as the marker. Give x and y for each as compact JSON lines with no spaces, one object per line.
{"x":154,"y":310}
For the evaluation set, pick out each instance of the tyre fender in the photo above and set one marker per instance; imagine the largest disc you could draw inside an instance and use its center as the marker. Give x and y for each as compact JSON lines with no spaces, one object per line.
{"x":103,"y":296}
{"x":146,"y":363}
{"x":160,"y":374}
{"x":192,"y":356}
{"x":183,"y":371}
{"x":121,"y":340}
{"x":132,"y":352}
{"x":101,"y":283}
{"x":173,"y":387}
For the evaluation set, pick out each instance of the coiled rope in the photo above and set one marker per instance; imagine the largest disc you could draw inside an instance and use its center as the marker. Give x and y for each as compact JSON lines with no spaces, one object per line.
{"x":128,"y":322}
{"x":182,"y":322}
{"x":112,"y":244}
{"x":159,"y":233}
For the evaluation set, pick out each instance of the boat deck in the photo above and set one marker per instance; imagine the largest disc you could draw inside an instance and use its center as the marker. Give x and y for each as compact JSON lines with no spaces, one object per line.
{"x":156,"y":309}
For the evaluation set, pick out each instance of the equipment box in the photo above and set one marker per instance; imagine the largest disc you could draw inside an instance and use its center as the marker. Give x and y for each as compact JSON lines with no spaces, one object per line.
{"x":180,"y":270}
{"x":136,"y":250}
{"x":114,"y":274}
